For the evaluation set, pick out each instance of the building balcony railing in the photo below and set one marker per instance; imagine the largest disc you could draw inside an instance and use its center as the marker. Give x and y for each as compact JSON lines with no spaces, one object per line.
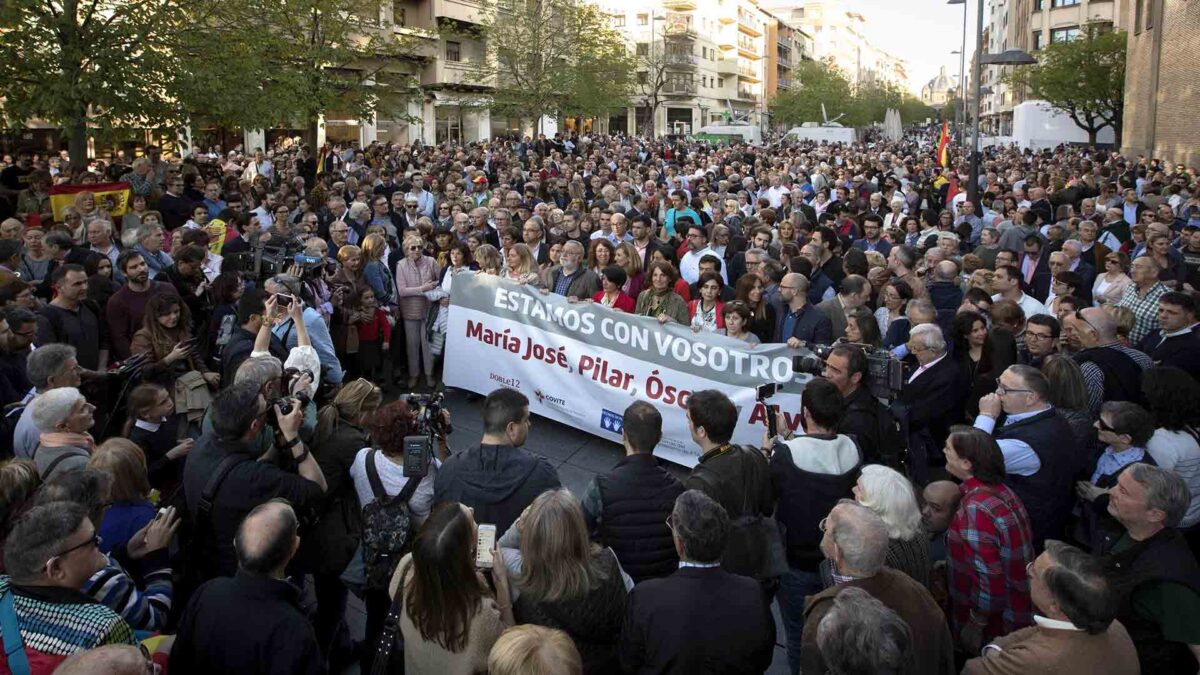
{"x":785,"y":61}
{"x":679,"y":31}
{"x":783,"y":83}
{"x":679,"y":89}
{"x":680,"y":61}
{"x":749,"y":74}
{"x":747,"y":94}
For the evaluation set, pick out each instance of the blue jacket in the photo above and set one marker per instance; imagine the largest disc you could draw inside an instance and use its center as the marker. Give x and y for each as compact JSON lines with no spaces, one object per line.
{"x":376,"y":274}
{"x":318,"y":334}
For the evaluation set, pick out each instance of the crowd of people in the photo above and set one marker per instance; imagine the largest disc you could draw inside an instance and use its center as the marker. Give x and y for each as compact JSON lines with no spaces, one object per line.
{"x":209,"y":402}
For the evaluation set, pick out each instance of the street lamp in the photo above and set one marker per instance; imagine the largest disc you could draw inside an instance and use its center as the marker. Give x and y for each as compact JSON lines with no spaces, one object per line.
{"x":962,"y":61}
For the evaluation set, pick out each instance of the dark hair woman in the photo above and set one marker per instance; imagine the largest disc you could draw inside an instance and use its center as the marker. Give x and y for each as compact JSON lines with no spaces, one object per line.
{"x":981,"y":357}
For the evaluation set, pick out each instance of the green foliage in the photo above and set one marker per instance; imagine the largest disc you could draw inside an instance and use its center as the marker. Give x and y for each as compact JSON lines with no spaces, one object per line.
{"x":1083,"y":78}
{"x":824,"y":82}
{"x":551,"y":57}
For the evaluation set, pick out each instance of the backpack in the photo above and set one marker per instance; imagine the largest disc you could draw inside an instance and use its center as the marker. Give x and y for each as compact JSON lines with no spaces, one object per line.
{"x":386,"y":527}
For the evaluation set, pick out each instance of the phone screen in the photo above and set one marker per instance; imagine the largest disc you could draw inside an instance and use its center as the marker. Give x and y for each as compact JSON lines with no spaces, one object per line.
{"x":486,"y":542}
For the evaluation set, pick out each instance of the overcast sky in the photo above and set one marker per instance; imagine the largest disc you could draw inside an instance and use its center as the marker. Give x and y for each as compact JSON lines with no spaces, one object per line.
{"x":922,"y":32}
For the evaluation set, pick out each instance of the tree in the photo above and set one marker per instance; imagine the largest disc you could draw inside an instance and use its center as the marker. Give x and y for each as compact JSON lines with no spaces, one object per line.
{"x":814,"y":83}
{"x":81,"y":63}
{"x":1083,"y":78}
{"x":307,"y":57}
{"x":549,"y":57}
{"x":651,"y":80}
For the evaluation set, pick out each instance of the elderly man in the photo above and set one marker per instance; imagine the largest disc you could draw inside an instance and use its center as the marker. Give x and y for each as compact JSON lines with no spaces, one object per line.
{"x":1074,"y":628}
{"x":933,"y":396}
{"x":568,"y":278}
{"x":50,"y":553}
{"x":1156,"y":577}
{"x":62,"y":417}
{"x":701,"y":618}
{"x":217,"y":635}
{"x":1112,"y":371}
{"x":1040,"y":457}
{"x":697,"y":248}
{"x":1142,"y":297}
{"x":150,"y":240}
{"x":855,"y":542}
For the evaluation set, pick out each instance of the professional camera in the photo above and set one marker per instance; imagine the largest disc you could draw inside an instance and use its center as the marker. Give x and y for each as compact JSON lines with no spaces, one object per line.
{"x":885,"y":373}
{"x":286,"y":400}
{"x":431,"y":425}
{"x":264,"y":260}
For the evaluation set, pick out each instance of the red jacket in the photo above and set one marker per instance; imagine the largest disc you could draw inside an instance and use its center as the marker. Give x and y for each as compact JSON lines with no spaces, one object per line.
{"x":693,"y":304}
{"x":623,"y":302}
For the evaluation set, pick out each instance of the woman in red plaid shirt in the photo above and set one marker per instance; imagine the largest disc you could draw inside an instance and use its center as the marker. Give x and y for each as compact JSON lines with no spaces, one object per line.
{"x":989,"y":544}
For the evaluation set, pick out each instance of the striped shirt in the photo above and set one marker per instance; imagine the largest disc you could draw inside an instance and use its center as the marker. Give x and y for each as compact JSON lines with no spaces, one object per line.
{"x":142,"y":609}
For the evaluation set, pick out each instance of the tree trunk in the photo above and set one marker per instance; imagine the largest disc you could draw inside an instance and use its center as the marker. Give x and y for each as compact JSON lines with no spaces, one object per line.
{"x":1092,"y":131}
{"x":77,"y":137}
{"x":310,"y":136}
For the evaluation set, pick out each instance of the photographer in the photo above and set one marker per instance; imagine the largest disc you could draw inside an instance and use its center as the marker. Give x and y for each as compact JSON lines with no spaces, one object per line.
{"x":224,"y":467}
{"x":865,"y":419}
{"x":287,"y":330}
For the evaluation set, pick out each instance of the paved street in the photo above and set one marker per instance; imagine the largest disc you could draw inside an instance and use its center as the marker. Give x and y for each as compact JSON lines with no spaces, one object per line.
{"x":576,"y":455}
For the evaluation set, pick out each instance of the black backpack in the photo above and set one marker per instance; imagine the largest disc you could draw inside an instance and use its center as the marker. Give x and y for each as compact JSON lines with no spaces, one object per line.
{"x":386,"y":528}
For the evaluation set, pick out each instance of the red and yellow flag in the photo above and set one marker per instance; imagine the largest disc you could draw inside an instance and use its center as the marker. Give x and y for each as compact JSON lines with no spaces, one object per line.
{"x":943,"y":152}
{"x":111,"y":197}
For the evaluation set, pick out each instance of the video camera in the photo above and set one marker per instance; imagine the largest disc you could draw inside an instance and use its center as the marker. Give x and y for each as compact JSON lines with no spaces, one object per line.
{"x":264,"y":261}
{"x":418,"y":447}
{"x":885,"y":373}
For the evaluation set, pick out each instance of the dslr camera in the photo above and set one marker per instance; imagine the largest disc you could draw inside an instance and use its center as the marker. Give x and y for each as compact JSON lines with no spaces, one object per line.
{"x":287,"y":401}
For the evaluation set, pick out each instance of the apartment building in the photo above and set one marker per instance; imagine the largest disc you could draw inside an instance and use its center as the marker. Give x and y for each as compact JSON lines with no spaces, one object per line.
{"x":1029,"y":25}
{"x":1160,"y":112}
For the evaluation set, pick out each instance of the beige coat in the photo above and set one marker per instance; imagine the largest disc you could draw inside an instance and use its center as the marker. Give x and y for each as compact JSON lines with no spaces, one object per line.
{"x":1036,"y":651}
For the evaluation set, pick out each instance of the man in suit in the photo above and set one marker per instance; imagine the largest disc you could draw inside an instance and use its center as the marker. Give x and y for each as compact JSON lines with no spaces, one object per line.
{"x":534,"y":236}
{"x":1176,"y":341}
{"x":1075,"y":627}
{"x":872,"y":239}
{"x":932,"y":399}
{"x":1035,"y":268}
{"x":855,"y":291}
{"x":701,"y":618}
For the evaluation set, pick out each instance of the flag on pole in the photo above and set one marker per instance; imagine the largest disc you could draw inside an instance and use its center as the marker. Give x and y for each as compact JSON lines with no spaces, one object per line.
{"x":943,"y":156}
{"x":111,"y":197}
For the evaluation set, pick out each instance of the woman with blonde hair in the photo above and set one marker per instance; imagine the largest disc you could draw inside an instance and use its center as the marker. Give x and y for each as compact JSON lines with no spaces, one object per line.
{"x":375,"y":271}
{"x":89,"y":210}
{"x":981,"y":278}
{"x":416,"y":275}
{"x":333,"y":541}
{"x":520,"y":265}
{"x":129,"y":492}
{"x":534,"y":650}
{"x":488,"y":259}
{"x":561,"y":579}
{"x":628,"y":258}
{"x":888,"y":493}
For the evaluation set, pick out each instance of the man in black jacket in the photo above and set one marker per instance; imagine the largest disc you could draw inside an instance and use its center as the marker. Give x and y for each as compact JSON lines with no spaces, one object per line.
{"x":1175,"y":342}
{"x":497,"y":478}
{"x":628,"y":507}
{"x":865,"y":419}
{"x":251,"y":316}
{"x":218,"y":635}
{"x":701,"y":619}
{"x":932,"y":397}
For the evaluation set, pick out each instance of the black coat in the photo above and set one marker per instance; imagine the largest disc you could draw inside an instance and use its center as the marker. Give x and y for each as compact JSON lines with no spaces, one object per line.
{"x":698,"y":621}
{"x":497,"y":481}
{"x":246,"y":624}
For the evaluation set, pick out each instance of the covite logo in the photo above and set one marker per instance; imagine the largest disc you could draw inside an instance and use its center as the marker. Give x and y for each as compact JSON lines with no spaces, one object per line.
{"x":544,"y":398}
{"x":611,"y":421}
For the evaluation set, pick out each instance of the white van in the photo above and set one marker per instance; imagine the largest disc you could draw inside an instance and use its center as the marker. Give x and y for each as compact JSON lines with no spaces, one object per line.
{"x":729,"y":133}
{"x":828,"y":134}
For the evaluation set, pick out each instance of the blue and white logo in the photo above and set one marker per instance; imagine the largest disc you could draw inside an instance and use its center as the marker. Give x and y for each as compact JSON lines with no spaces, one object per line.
{"x":611,"y":421}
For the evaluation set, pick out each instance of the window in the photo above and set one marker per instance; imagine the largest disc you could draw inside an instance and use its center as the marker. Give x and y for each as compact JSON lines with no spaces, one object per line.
{"x":643,"y":19}
{"x":1063,"y":3}
{"x":720,"y":82}
{"x":1037,"y":40}
{"x":398,"y":12}
{"x":1037,"y":5}
{"x":1064,"y":34}
{"x":453,"y":51}
{"x":618,"y":21}
{"x":643,"y":49}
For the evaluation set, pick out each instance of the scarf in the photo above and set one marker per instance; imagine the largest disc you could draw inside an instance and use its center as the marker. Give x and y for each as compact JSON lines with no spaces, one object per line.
{"x":68,"y":439}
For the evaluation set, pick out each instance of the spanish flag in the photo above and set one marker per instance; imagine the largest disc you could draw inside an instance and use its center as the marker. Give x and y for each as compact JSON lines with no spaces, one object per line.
{"x":943,"y":155}
{"x":111,"y":197}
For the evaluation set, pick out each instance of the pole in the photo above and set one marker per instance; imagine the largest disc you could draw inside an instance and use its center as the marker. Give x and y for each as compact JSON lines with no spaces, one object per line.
{"x":651,"y":74}
{"x":960,"y":106}
{"x":973,"y":187}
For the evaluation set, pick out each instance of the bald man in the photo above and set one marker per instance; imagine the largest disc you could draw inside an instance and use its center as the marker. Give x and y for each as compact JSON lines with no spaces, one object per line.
{"x":940,"y":499}
{"x":220,"y":634}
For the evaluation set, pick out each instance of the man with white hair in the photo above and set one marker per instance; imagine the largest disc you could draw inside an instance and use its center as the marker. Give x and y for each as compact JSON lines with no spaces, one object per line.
{"x":48,"y":367}
{"x":855,"y":542}
{"x":63,"y":417}
{"x":933,"y":396}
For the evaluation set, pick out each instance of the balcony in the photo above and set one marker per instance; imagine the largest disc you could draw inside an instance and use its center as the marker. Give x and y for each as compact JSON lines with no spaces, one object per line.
{"x":679,"y":88}
{"x":783,"y":61}
{"x":782,"y":83}
{"x":681,"y":5}
{"x":727,"y":66}
{"x":455,"y":73}
{"x":679,"y":30}
{"x":680,"y":61}
{"x":747,"y":94}
{"x":749,"y":25}
{"x":749,"y":74}
{"x":462,"y":11}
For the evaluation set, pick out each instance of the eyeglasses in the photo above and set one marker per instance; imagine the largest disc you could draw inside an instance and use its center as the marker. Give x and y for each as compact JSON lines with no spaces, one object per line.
{"x":1037,"y":336}
{"x":1079,"y":316}
{"x":824,"y":522}
{"x":1001,"y":390}
{"x":414,"y":248}
{"x":1104,"y":426}
{"x":93,"y":541}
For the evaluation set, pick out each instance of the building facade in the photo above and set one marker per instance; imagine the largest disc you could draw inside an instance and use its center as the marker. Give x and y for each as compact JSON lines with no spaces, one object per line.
{"x":940,"y":90}
{"x":1160,"y":113}
{"x":1028,"y":25}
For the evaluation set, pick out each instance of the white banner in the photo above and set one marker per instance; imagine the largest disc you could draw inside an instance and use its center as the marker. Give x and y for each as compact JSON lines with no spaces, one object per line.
{"x":583,"y":364}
